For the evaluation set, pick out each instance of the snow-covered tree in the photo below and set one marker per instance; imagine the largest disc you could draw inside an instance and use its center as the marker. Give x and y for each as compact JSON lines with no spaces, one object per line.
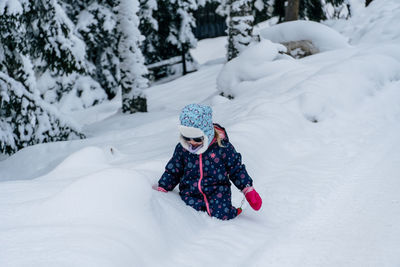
{"x":181,"y":29}
{"x":312,"y":10}
{"x":240,"y":26}
{"x":40,"y":31}
{"x":25,"y":119}
{"x":95,"y":22}
{"x":262,"y":10}
{"x":35,"y":39}
{"x":149,"y":27}
{"x":337,"y":9}
{"x":42,"y":51}
{"x":131,"y":59}
{"x":51,"y":40}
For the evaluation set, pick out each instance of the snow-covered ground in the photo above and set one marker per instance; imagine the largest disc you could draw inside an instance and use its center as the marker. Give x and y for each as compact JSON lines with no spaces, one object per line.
{"x":319,"y":136}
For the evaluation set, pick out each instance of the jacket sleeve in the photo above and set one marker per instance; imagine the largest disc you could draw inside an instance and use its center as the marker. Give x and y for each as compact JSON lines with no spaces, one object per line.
{"x":236,"y":170}
{"x":173,"y":170}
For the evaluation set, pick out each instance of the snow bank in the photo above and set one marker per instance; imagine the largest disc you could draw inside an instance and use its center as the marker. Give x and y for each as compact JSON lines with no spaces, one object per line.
{"x":347,"y":83}
{"x":323,"y":37}
{"x":256,"y":61}
{"x":92,"y":216}
{"x":249,"y":65}
{"x":376,"y":24}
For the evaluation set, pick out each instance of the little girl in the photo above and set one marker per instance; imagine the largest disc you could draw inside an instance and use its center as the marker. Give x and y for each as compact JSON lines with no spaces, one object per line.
{"x":203,"y":163}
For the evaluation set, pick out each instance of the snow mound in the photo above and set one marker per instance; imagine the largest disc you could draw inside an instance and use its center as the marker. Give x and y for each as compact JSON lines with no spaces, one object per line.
{"x":90,"y":222}
{"x":347,"y":83}
{"x":323,"y":37}
{"x":375,"y":24}
{"x":86,"y":160}
{"x":248,"y":65}
{"x":89,"y":218}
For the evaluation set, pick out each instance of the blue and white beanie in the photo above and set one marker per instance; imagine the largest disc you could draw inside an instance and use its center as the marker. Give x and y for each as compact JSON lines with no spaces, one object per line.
{"x":196,"y":121}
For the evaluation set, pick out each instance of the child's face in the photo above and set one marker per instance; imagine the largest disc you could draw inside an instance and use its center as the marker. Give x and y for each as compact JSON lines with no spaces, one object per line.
{"x":194,"y":143}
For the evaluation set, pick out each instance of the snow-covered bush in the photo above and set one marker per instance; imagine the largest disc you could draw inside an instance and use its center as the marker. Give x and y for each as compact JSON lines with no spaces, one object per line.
{"x":25,"y":119}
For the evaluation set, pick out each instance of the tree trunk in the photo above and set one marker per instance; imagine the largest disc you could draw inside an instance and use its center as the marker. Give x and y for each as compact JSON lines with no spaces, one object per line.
{"x":292,"y":10}
{"x":184,"y":69}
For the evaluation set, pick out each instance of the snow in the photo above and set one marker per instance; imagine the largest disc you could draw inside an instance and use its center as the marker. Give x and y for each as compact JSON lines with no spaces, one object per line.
{"x":13,"y":7}
{"x":250,"y":65}
{"x":373,"y":27}
{"x":210,"y":51}
{"x":323,"y":37}
{"x":318,"y":135}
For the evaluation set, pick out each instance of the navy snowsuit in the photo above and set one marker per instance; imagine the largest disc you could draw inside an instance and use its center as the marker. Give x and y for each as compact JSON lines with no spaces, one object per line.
{"x":204,"y":180}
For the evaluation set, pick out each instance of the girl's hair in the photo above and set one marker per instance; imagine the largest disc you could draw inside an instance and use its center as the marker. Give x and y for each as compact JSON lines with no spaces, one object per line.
{"x":218,"y":138}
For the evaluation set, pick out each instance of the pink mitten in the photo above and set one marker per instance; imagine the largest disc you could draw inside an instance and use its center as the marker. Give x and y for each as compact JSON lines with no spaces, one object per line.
{"x":158,"y":188}
{"x":252,"y":197}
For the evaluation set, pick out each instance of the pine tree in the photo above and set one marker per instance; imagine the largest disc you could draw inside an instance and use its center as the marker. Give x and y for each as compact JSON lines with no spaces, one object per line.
{"x":312,"y":10}
{"x":166,"y":16}
{"x":341,"y":9}
{"x":132,"y":67}
{"x":240,"y":26}
{"x":54,"y":57}
{"x":25,"y":119}
{"x":95,"y":21}
{"x":174,"y":36}
{"x":181,"y":30}
{"x":262,"y":10}
{"x":35,"y":37}
{"x":40,"y":31}
{"x":149,"y":27}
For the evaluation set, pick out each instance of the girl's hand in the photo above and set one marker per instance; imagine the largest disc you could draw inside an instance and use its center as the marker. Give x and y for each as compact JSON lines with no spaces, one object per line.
{"x":252,"y":197}
{"x":157,"y":188}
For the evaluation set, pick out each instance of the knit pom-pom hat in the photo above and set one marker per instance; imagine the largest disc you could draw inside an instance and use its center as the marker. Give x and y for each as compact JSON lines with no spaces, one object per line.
{"x":196,"y":121}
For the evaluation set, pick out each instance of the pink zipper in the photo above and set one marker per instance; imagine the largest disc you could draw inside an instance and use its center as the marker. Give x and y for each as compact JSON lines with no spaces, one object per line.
{"x":199,"y":184}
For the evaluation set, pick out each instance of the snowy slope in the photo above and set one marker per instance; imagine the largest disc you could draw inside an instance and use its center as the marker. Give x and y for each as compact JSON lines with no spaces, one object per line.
{"x":330,"y":189}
